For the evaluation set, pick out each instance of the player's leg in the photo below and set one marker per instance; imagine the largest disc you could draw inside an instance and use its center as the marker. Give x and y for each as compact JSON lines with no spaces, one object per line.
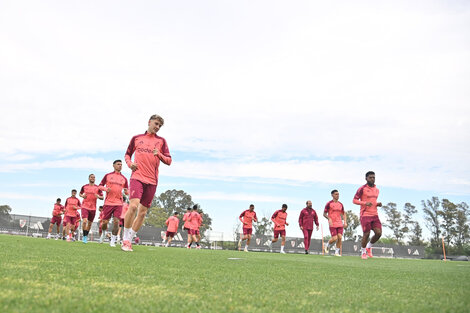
{"x":338,"y":244}
{"x":276,"y":236}
{"x":190,"y":238}
{"x":248,"y":239}
{"x":116,"y":219}
{"x":49,"y":235}
{"x":283,"y":242}
{"x":331,"y":242}
{"x":170,"y":239}
{"x":85,"y":225}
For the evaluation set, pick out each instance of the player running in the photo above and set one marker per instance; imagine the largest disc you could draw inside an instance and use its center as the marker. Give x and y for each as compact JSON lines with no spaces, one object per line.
{"x":247,"y":217}
{"x":366,"y":196}
{"x":115,"y":184}
{"x":279,"y":219}
{"x":72,"y":204}
{"x":187,"y":223}
{"x":195,"y":221}
{"x":172,"y":227}
{"x":306,"y":219}
{"x":149,"y":150}
{"x":59,"y":209}
{"x":333,"y":212}
{"x":90,"y":193}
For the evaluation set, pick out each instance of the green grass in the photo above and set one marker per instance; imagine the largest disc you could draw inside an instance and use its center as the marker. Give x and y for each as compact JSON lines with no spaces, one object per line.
{"x":38,"y":275}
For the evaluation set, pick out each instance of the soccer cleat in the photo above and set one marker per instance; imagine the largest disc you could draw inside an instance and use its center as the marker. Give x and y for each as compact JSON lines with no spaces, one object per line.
{"x":126,"y":246}
{"x":85,"y":239}
{"x":188,"y":247}
{"x":112,"y":244}
{"x":326,"y":249}
{"x":306,"y":251}
{"x":364,"y":256}
{"x":246,"y":249}
{"x":101,"y":238}
{"x":282,"y":252}
{"x":68,"y":239}
{"x":369,"y":252}
{"x":198,"y":247}
{"x":337,"y":254}
{"x":56,"y":238}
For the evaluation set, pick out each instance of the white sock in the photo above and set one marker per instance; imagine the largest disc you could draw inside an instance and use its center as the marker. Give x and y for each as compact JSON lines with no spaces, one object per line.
{"x":337,"y":250}
{"x":363,"y":250}
{"x":131,"y":234}
{"x":369,"y":245}
{"x":282,"y":248}
{"x":126,"y":233}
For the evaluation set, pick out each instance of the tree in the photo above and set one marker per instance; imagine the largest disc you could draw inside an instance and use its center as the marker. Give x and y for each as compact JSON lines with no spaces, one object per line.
{"x":416,"y":233}
{"x":5,"y":217}
{"x":353,"y":222}
{"x":462,"y":228}
{"x":449,"y":217}
{"x":263,"y":226}
{"x":409,"y":211}
{"x":431,"y":215}
{"x":395,"y":221}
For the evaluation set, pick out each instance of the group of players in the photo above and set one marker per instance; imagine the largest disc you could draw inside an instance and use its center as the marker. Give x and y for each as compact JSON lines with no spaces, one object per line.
{"x":366,"y":196}
{"x":149,"y":150}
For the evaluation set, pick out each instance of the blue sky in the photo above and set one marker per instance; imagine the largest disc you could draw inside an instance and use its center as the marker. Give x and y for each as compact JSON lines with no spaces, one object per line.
{"x":264,"y":102}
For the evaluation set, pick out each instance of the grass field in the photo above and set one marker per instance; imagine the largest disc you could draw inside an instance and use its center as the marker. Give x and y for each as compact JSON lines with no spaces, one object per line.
{"x":38,"y":275}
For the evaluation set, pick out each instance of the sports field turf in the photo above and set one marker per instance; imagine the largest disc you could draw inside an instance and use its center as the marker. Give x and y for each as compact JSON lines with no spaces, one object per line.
{"x":38,"y":275}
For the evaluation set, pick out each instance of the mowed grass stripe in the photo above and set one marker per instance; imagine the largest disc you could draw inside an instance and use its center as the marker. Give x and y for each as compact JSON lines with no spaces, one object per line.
{"x":38,"y":275}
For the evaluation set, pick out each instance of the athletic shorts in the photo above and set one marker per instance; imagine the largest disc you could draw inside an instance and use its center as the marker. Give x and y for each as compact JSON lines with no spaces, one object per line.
{"x":194,"y":232}
{"x":56,"y":220}
{"x":144,"y":192}
{"x":279,"y":232}
{"x":336,"y":230}
{"x":88,"y":214}
{"x":247,"y":231}
{"x":121,"y":222}
{"x":64,"y":222}
{"x":170,"y":234}
{"x":187,"y":229}
{"x":370,"y":222}
{"x":71,"y":220}
{"x":110,"y":210}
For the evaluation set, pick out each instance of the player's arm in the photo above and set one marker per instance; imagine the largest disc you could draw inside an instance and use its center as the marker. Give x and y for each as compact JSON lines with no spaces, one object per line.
{"x":99,"y":195}
{"x":301,"y":219}
{"x":102,"y":184}
{"x":345,"y":218}
{"x":358,"y":198}
{"x":242,"y":217}
{"x":128,"y":156}
{"x":315,"y":218}
{"x":273,"y":218}
{"x":255,"y":218}
{"x":164,"y":155}
{"x":82,"y":193}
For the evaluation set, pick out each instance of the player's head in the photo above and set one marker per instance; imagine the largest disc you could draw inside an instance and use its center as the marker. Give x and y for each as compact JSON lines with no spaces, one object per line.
{"x":309,"y":204}
{"x":117,"y":164}
{"x":100,"y":208}
{"x":58,"y":200}
{"x":284,"y":207}
{"x":195,"y":207}
{"x":370,"y":178}
{"x":252,"y":207}
{"x":335,"y":194}
{"x":188,"y":209}
{"x":74,"y":192}
{"x":91,"y":178}
{"x":175,"y":213}
{"x":155,"y":123}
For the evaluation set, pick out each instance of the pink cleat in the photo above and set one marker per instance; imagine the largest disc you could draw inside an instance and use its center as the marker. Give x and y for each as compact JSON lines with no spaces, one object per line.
{"x":369,"y":252}
{"x":126,"y":246}
{"x":198,"y":247}
{"x":364,"y":256}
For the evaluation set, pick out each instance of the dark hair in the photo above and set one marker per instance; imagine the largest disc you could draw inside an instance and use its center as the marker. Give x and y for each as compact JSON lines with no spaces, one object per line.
{"x":252,"y":205}
{"x":189,"y":208}
{"x":195,"y":207}
{"x":90,"y":175}
{"x":58,"y":199}
{"x":333,"y":191}
{"x":369,"y":173}
{"x":284,"y":205}
{"x":175,"y":213}
{"x":74,"y":190}
{"x":116,"y":161}
{"x":157,"y":117}
{"x":100,"y":207}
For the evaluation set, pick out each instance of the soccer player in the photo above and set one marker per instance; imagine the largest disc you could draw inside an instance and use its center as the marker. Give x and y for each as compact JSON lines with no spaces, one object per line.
{"x":172,"y":227}
{"x":56,"y":218}
{"x":279,"y":219}
{"x":71,"y":206}
{"x":306,"y":219}
{"x":149,"y":150}
{"x":115,"y":184}
{"x":100,"y":219}
{"x":187,"y":223}
{"x":90,"y":193}
{"x":77,"y":225}
{"x":247,"y":217}
{"x":125,"y":207}
{"x":195,"y":221}
{"x":333,"y":212}
{"x":366,"y":196}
